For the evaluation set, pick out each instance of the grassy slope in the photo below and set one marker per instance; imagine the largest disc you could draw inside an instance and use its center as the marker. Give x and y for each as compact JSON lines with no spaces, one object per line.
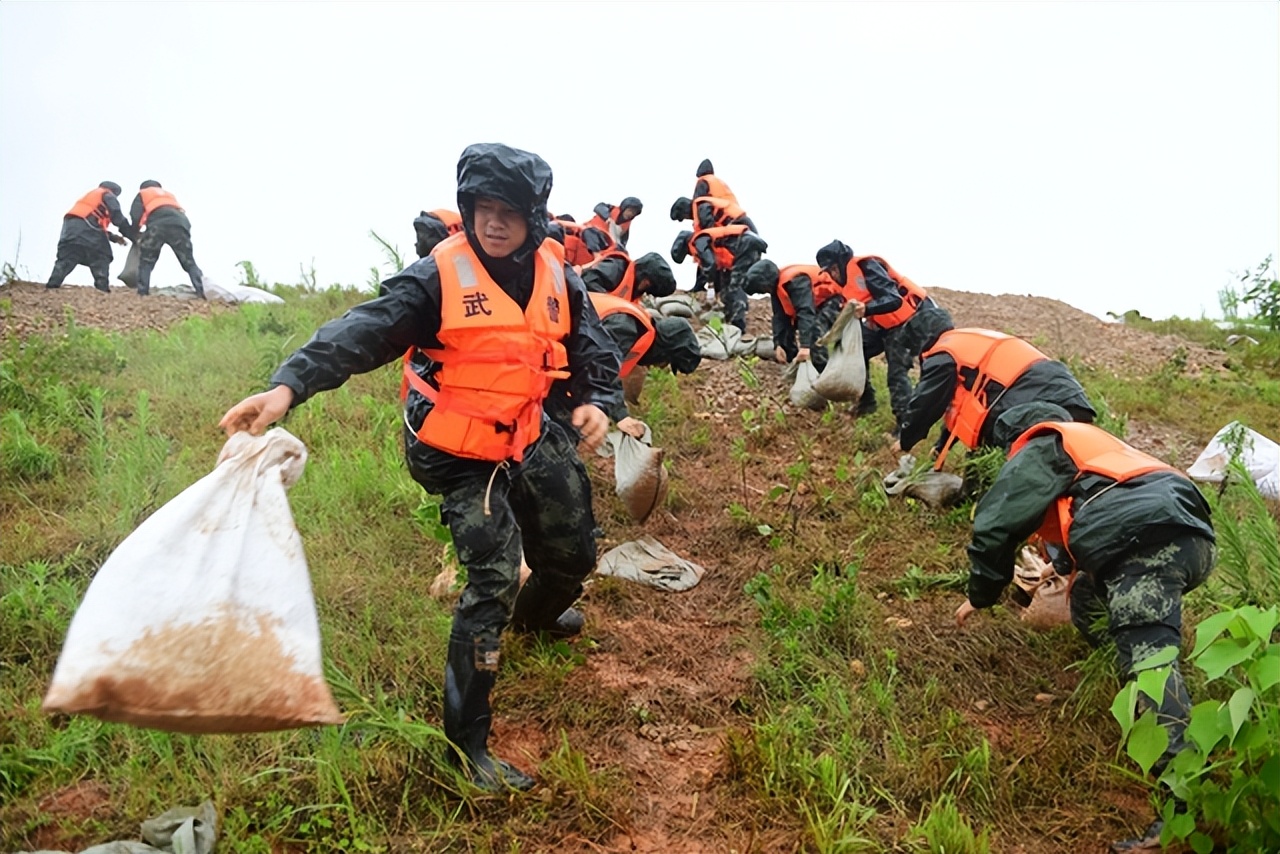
{"x":865,"y":711}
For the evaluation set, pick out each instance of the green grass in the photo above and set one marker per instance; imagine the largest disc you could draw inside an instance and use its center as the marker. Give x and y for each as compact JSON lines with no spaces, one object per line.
{"x":869,"y":723}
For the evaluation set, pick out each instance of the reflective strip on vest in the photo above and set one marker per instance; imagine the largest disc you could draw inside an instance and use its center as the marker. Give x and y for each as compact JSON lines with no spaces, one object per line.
{"x":496,"y":362}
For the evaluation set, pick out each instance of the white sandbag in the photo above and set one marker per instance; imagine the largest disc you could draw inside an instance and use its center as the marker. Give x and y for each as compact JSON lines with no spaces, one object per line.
{"x":935,"y":488}
{"x":649,"y":562}
{"x":640,"y":479}
{"x":845,"y":375}
{"x":202,"y":620}
{"x":129,"y":275}
{"x":1260,"y":455}
{"x":747,"y":345}
{"x":237,"y":293}
{"x":802,"y":376}
{"x":719,"y":345}
{"x":678,"y":305}
{"x":765,"y":348}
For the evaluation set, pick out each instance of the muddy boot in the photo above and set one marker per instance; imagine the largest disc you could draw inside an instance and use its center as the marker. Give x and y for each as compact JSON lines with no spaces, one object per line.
{"x":1148,"y":840}
{"x":469,"y":673}
{"x":540,"y":609}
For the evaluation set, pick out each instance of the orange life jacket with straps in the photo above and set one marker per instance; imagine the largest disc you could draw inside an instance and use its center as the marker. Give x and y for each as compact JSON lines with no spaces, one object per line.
{"x":452,"y":220}
{"x":824,"y":287}
{"x":575,"y":248}
{"x":153,"y":198}
{"x":496,"y":362}
{"x":715,"y":187}
{"x":625,"y":289}
{"x":988,"y":356}
{"x":1094,"y":451}
{"x":92,"y":208}
{"x":720,"y":235}
{"x":608,"y":225}
{"x":725,"y":211}
{"x":856,"y":288}
{"x":606,"y":305}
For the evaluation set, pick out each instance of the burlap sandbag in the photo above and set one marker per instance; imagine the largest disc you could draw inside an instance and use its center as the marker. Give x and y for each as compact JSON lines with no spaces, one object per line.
{"x":935,"y":488}
{"x":845,"y":376}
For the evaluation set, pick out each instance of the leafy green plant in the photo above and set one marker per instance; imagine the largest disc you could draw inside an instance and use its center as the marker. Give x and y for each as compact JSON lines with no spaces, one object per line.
{"x":1229,"y":774}
{"x":1263,"y":294}
{"x":1248,"y":571}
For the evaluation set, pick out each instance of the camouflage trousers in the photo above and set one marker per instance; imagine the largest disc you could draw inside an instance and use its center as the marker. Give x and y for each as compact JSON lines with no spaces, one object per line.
{"x":1140,"y":597}
{"x":79,"y":244}
{"x":902,"y":347}
{"x":541,"y":505}
{"x":172,"y":230}
{"x":732,"y":291}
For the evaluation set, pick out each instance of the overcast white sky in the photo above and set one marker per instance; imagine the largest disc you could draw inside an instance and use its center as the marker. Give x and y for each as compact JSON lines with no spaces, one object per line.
{"x":1112,"y":155}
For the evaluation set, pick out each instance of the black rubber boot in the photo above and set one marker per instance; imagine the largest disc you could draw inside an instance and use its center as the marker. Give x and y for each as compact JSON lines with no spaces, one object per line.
{"x":469,"y":673}
{"x":540,"y":608}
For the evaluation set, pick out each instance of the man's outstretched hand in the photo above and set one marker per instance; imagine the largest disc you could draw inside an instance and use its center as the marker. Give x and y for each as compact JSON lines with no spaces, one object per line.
{"x":257,"y":412}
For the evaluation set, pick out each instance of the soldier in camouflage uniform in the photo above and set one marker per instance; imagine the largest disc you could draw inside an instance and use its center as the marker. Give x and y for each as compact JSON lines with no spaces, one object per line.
{"x":1137,"y":543}
{"x":536,"y":497}
{"x":85,"y":238}
{"x":893,"y":321}
{"x":166,"y":224}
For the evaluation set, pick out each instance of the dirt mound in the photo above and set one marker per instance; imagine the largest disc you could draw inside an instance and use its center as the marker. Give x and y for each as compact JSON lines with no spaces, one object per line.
{"x":1060,"y":330}
{"x":1064,"y":332}
{"x":28,"y":307}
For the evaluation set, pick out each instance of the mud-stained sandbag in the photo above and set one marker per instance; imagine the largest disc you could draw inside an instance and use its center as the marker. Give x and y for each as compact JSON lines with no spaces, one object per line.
{"x":801,"y":376}
{"x":845,"y":375}
{"x":649,"y":562}
{"x":765,"y":348}
{"x":640,"y":479}
{"x":935,"y":488}
{"x":203,"y":620}
{"x":129,"y":275}
{"x":1049,"y":592}
{"x":633,"y":384}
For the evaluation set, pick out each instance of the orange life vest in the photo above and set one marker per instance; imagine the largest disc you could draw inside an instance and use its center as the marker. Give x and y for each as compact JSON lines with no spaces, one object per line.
{"x":720,"y":235}
{"x":606,"y":305}
{"x":452,"y":220}
{"x":92,"y":208}
{"x":575,"y":248}
{"x":608,"y":225}
{"x":724,"y":210}
{"x":496,"y":362}
{"x":856,"y":289}
{"x":1094,"y":451}
{"x":715,"y":187}
{"x":991,"y":356}
{"x":155,"y":197}
{"x":625,"y":289}
{"x":824,"y":287}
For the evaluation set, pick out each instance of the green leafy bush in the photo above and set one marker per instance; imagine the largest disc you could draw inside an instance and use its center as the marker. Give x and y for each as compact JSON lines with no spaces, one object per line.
{"x":1229,"y":774}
